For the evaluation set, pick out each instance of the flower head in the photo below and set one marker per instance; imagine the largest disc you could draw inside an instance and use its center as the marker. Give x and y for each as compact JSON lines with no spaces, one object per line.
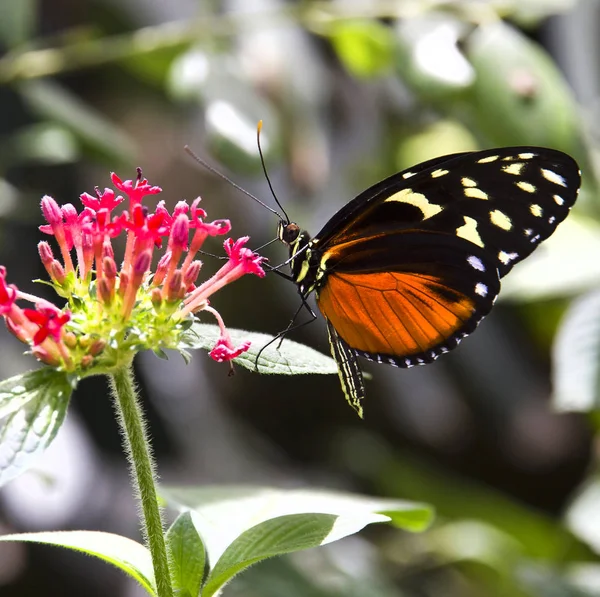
{"x":111,"y":312}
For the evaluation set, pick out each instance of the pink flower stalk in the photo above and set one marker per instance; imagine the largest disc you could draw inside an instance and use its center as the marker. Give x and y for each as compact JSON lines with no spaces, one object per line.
{"x":113,"y":311}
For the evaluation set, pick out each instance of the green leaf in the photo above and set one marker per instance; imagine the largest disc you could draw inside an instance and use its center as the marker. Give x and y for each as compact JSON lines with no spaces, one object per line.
{"x":188,"y":556}
{"x":17,"y":391}
{"x":130,"y":556}
{"x":364,"y":46}
{"x":232,"y":520}
{"x":42,"y":398}
{"x":277,"y":536}
{"x":519,"y":95}
{"x":290,"y":359}
{"x":576,"y":357}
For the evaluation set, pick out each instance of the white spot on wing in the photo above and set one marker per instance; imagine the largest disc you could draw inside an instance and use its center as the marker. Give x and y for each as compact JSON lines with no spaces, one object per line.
{"x":476,"y":263}
{"x":526,"y":186}
{"x":536,"y":210}
{"x":469,"y":231}
{"x":408,"y":175}
{"x":527,"y":155}
{"x":558,"y":200}
{"x":554,"y":177}
{"x":476,"y":193}
{"x":439,"y":172}
{"x":418,"y":200}
{"x":500,"y":219}
{"x":515,"y":168}
{"x":505,"y":258}
{"x":488,"y":159}
{"x":481,"y":289}
{"x":468,"y":182}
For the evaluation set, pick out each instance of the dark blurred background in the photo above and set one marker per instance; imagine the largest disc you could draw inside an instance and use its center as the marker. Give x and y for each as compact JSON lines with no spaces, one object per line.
{"x":349,"y":92}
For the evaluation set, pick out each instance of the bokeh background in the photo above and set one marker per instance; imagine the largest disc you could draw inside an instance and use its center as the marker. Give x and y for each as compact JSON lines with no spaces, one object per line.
{"x":349,"y":92}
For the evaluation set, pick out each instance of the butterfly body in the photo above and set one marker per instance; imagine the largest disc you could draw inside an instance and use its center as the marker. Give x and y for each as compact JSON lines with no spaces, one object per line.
{"x":410,"y":266}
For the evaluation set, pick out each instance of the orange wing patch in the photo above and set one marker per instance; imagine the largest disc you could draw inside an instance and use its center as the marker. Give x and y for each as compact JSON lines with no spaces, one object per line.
{"x":393,"y":313}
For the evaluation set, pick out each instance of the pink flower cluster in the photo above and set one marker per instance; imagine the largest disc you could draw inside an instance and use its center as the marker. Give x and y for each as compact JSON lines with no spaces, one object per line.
{"x":115,"y":292}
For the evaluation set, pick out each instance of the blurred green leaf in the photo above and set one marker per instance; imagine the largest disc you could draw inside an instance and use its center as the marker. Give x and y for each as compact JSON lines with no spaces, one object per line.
{"x":559,"y":267}
{"x":44,"y":142}
{"x":232,"y":109}
{"x":440,"y":138}
{"x":582,"y":515}
{"x":42,"y":397}
{"x":365,"y":47}
{"x":131,"y":557}
{"x":519,"y":96}
{"x":458,"y":498}
{"x":187,"y":556}
{"x":289,"y":359}
{"x":576,"y":357}
{"x":429,"y":60}
{"x":529,"y":13}
{"x":17,"y":21}
{"x":56,"y":104}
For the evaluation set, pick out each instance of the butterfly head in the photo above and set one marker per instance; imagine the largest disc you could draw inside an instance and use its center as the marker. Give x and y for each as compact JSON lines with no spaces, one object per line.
{"x":288,"y":232}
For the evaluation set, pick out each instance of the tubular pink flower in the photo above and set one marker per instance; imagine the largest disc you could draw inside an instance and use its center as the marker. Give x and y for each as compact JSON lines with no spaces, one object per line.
{"x":224,"y":349}
{"x":178,"y":239}
{"x":191,"y":274}
{"x":147,"y":228}
{"x":140,"y":266}
{"x":74,"y":225}
{"x":106,"y":200}
{"x":162,"y":267}
{"x":241,"y":261}
{"x":137,"y":190}
{"x":55,"y":227}
{"x":8,"y":293}
{"x":203,"y":230}
{"x":175,"y":288}
{"x":50,"y":320}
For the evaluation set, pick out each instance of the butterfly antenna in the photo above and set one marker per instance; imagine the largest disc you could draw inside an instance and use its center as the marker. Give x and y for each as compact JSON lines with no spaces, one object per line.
{"x":276,"y":239}
{"x":210,"y":168}
{"x":264,"y":167}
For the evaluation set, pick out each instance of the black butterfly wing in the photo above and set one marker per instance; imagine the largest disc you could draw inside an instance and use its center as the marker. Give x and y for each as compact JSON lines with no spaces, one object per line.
{"x":505,"y":201}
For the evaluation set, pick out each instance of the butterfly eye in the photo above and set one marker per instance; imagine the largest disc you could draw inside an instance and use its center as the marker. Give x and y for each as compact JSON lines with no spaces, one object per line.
{"x":290,"y":233}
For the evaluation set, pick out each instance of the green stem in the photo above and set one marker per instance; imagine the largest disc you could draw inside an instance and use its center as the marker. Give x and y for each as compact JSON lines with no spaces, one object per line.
{"x":137,"y":446}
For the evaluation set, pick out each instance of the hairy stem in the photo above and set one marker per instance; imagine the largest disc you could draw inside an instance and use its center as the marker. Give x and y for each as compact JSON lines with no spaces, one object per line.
{"x":137,"y":446}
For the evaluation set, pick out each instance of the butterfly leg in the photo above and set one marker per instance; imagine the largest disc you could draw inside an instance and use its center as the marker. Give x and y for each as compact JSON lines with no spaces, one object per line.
{"x":281,"y":335}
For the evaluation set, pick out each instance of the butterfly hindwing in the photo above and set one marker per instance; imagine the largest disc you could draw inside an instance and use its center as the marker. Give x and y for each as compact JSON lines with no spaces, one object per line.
{"x":404,"y":299}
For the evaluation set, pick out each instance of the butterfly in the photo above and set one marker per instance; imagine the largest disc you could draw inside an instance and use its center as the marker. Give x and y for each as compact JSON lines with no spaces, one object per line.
{"x":407,"y":269}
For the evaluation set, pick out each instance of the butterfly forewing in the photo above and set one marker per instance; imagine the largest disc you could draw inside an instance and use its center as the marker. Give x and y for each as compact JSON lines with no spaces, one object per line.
{"x":504,"y":200}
